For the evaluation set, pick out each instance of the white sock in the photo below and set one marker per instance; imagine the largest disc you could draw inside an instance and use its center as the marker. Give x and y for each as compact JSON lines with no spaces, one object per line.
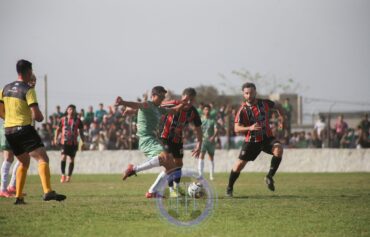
{"x":212,"y":169}
{"x":151,"y":163}
{"x":4,"y":174}
{"x":12,"y":182}
{"x":160,"y":179}
{"x":200,"y":167}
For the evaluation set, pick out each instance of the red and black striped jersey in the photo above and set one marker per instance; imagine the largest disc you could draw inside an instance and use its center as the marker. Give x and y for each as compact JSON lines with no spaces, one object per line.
{"x":70,"y":129}
{"x":172,"y":125}
{"x":247,"y":115}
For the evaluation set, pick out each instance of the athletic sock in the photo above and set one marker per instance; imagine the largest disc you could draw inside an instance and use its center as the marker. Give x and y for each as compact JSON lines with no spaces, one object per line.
{"x":13,"y":179}
{"x":63,"y":167}
{"x":275,"y":162}
{"x":212,"y":169}
{"x":157,"y":182}
{"x":70,"y":168}
{"x":5,"y":174}
{"x":151,"y":163}
{"x":200,"y":167}
{"x":233,"y":177}
{"x":174,"y":176}
{"x":21,"y":180}
{"x":44,"y":173}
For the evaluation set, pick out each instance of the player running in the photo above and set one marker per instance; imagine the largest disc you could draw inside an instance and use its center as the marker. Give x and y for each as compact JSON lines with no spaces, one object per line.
{"x":252,"y":120}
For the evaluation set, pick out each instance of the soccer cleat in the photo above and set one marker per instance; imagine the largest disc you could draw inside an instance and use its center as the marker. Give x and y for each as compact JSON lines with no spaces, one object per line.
{"x":68,"y":179}
{"x":153,"y":195}
{"x":52,"y":195}
{"x":63,"y":179}
{"x":270,"y":183}
{"x":129,"y":172}
{"x":229,"y":192}
{"x":19,"y":201}
{"x":11,"y":189}
{"x":174,"y":194}
{"x":6,"y":194}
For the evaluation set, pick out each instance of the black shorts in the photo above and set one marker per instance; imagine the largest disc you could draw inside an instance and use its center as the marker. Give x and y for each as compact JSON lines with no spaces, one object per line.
{"x":176,"y":149}
{"x":250,"y":150}
{"x":23,"y":139}
{"x":69,"y":150}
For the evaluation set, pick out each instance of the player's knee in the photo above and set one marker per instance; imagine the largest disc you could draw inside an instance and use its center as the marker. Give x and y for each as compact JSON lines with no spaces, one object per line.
{"x":277,"y":150}
{"x":239,"y":166}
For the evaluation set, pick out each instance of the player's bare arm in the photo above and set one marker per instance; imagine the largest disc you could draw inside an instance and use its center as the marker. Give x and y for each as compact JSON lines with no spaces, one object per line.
{"x":2,"y":111}
{"x":132,"y":105}
{"x":36,"y":113}
{"x":279,"y":109}
{"x":198,"y":146}
{"x":240,"y":128}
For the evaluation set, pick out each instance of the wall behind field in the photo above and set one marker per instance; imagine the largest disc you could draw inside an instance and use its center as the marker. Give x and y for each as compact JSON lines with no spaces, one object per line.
{"x":294,"y":160}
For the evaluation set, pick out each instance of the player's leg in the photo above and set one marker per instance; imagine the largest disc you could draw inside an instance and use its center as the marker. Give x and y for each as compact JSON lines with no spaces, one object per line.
{"x":276,"y":149}
{"x":201,"y":164}
{"x":177,"y":151}
{"x":40,"y":155}
{"x":72,"y":155}
{"x":203,"y":152}
{"x":8,"y":160}
{"x":12,"y":184}
{"x":16,"y":141}
{"x":211,"y":154}
{"x":167,"y":161}
{"x":249,"y":152}
{"x":63,"y":162}
{"x":212,"y":166}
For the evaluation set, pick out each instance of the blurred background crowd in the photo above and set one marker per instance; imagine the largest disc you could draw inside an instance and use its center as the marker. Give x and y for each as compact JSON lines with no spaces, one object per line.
{"x":109,"y":128}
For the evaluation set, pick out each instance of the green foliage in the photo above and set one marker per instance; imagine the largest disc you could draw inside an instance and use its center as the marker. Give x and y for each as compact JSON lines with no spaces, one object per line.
{"x":103,"y":205}
{"x":266,"y":84}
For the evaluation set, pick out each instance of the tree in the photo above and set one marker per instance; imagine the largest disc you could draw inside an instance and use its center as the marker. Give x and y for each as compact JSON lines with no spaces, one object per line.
{"x":265,"y":84}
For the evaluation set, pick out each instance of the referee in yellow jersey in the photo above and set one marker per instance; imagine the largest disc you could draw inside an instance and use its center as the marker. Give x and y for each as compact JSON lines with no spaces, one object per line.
{"x":18,"y":107}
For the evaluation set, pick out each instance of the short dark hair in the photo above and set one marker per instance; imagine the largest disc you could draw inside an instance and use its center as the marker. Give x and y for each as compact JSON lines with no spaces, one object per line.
{"x":23,"y":66}
{"x":189,"y":92}
{"x":249,"y":85}
{"x":206,"y":106}
{"x":157,"y":90}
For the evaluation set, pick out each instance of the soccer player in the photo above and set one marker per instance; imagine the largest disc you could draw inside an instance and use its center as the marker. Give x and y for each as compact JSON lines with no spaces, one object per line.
{"x":8,"y":159}
{"x":7,"y":191}
{"x":149,"y":114}
{"x":18,"y":106}
{"x":70,"y":127}
{"x":252,"y":120}
{"x":210,"y":133}
{"x":172,"y":126}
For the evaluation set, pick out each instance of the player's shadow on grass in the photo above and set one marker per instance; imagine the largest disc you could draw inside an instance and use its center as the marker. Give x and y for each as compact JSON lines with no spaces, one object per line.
{"x":266,"y":197}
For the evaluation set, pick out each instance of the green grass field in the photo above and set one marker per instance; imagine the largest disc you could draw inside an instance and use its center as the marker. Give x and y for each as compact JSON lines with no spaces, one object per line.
{"x":103,"y":205}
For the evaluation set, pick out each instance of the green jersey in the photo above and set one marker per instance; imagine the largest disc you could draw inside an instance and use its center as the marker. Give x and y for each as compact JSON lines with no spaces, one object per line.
{"x":208,"y":127}
{"x":148,"y":119}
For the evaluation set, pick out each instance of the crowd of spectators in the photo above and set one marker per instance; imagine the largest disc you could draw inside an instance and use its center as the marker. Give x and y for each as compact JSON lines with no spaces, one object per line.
{"x":112,"y":129}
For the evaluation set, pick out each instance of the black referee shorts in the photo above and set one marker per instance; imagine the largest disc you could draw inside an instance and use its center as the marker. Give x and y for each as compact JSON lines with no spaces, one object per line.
{"x":23,"y":139}
{"x":250,"y":150}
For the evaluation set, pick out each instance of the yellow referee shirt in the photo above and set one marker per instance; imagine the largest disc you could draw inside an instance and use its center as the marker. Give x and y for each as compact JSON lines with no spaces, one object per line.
{"x":18,"y":97}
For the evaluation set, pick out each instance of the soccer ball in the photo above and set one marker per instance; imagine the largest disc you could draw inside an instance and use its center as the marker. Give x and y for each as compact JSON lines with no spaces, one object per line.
{"x":195,"y":190}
